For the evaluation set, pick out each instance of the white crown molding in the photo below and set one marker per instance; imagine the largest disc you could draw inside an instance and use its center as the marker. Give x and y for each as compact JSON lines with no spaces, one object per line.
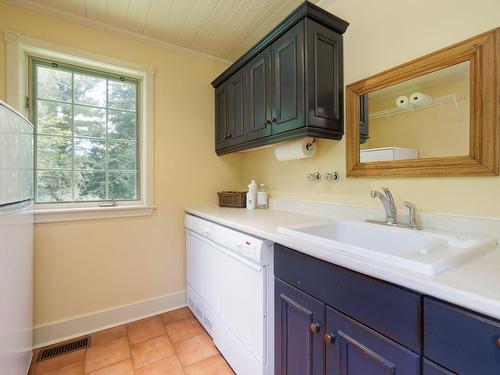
{"x":40,"y":8}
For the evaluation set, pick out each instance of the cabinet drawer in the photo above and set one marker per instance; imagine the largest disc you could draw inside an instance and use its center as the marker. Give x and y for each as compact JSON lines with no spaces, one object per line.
{"x":459,"y":340}
{"x":390,"y":310}
{"x":356,"y":349}
{"x":431,"y":368}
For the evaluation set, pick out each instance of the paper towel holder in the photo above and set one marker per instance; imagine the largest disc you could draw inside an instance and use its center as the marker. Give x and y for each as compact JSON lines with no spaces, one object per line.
{"x":310,"y":145}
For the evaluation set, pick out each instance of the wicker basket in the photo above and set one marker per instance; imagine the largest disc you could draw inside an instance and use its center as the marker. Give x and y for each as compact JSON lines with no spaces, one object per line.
{"x":236,"y":199}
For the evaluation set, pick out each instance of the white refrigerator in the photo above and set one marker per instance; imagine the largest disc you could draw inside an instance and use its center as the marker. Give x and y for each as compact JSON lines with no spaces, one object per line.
{"x":16,"y":242}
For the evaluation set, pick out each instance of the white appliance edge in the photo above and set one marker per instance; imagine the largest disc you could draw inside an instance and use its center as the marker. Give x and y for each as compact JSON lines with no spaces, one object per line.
{"x":230,"y":289}
{"x":16,"y":242}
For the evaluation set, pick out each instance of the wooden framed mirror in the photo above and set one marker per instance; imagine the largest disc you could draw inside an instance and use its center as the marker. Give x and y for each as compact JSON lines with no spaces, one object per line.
{"x":438,"y":115}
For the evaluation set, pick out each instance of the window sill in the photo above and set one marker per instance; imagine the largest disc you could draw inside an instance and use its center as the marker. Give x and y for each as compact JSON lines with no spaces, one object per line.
{"x":55,"y":215}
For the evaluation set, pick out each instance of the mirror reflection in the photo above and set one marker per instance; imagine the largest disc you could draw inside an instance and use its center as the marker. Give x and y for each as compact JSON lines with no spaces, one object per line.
{"x":424,"y":117}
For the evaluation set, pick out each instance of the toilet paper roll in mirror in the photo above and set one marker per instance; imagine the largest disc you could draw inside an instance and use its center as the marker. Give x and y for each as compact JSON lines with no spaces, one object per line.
{"x":403,"y":102}
{"x":419,"y":99}
{"x":300,"y":149}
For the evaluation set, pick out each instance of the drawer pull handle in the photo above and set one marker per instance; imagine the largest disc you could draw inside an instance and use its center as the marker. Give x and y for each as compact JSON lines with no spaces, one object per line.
{"x":329,"y":338}
{"x":314,"y":327}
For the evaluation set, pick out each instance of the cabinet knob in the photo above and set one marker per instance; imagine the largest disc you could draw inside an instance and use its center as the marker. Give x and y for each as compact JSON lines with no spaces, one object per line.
{"x":314,"y":327}
{"x":498,"y":342}
{"x":329,"y":338}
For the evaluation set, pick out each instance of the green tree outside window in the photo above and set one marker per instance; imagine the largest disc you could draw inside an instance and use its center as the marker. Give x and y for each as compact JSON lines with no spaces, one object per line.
{"x":86,"y":134}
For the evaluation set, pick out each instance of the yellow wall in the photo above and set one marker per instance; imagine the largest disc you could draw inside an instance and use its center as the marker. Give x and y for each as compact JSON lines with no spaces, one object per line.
{"x":82,"y":267}
{"x":384,"y":34}
{"x":88,"y":266}
{"x":434,"y":131}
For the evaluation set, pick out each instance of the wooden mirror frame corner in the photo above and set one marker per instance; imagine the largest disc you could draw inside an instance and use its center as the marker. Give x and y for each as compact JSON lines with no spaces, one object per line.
{"x":482,"y":52}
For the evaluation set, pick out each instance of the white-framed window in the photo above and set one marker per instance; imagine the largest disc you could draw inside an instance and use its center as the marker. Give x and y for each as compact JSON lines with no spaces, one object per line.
{"x":93,"y":129}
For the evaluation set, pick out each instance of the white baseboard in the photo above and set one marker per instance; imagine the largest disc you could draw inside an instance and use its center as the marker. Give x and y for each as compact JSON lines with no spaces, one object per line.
{"x":77,"y":326}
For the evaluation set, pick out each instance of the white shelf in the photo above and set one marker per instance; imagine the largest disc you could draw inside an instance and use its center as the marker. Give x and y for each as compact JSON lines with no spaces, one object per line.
{"x":442,"y":100}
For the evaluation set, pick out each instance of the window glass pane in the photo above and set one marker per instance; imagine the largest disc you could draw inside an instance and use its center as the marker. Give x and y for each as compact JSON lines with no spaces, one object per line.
{"x":89,"y":154}
{"x":90,"y":121}
{"x":122,"y":95}
{"x":121,"y":125}
{"x":54,"y":152}
{"x":90,"y":90}
{"x":53,"y":118}
{"x":53,"y":84}
{"x":122,"y":155}
{"x":90,"y":186}
{"x":54,"y":186}
{"x":86,"y":135}
{"x":122,"y":185}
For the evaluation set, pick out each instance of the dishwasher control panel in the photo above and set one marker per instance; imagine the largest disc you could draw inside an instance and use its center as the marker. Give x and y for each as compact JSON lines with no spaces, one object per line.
{"x":241,"y":243}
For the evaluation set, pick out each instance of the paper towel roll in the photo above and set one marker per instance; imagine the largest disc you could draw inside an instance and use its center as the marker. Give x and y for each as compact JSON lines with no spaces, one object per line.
{"x":300,"y":149}
{"x":403,"y":102}
{"x":419,"y":99}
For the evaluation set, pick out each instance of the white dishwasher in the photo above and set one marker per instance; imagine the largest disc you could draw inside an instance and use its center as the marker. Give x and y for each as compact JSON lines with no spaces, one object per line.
{"x":230,"y":289}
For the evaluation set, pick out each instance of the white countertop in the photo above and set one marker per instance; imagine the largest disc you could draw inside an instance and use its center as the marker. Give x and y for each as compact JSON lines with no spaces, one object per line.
{"x":474,"y":285}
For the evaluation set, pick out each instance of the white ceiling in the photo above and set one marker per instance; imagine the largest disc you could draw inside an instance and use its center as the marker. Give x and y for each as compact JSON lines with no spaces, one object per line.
{"x":220,"y":28}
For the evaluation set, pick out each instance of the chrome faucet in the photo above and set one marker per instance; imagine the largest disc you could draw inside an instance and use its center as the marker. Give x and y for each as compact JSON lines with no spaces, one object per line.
{"x":391,"y":213}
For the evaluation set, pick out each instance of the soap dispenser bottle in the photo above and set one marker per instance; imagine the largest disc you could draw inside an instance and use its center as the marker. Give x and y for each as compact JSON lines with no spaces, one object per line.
{"x":252,"y":195}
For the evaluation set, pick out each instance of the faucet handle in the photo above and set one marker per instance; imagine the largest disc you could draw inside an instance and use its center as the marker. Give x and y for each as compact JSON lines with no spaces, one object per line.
{"x":373,"y":194}
{"x":412,"y":214}
{"x":388,"y":194}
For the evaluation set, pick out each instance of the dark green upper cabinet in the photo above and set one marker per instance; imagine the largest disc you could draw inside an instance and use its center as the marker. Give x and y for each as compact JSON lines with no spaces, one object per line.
{"x":235,"y":101}
{"x":288,"y":80}
{"x":258,"y":96}
{"x":287,"y":86}
{"x":221,"y":115}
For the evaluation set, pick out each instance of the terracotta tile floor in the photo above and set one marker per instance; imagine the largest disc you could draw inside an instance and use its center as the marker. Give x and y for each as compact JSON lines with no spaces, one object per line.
{"x":173,"y":343}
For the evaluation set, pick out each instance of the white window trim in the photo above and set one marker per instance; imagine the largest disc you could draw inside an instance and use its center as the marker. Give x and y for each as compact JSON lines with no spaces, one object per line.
{"x":18,"y":49}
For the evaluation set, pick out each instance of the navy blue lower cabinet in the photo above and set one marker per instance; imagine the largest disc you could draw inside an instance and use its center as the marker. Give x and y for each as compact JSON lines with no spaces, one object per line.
{"x":431,"y":368}
{"x":460,"y":340}
{"x":354,"y":349}
{"x":299,"y":332}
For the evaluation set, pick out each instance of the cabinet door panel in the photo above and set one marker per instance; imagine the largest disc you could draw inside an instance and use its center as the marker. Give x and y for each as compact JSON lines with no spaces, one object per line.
{"x":358,"y":350}
{"x":221,"y":111}
{"x":325,"y":77}
{"x":235,"y":121}
{"x":298,"y":350}
{"x":388,"y":309}
{"x":258,"y":96}
{"x":288,"y":80}
{"x":460,"y":340}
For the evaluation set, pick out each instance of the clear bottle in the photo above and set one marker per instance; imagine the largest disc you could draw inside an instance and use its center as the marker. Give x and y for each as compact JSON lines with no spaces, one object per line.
{"x":262,"y":199}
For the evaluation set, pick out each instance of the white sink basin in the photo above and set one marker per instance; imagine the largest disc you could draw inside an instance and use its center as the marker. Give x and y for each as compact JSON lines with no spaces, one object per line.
{"x":423,"y":251}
